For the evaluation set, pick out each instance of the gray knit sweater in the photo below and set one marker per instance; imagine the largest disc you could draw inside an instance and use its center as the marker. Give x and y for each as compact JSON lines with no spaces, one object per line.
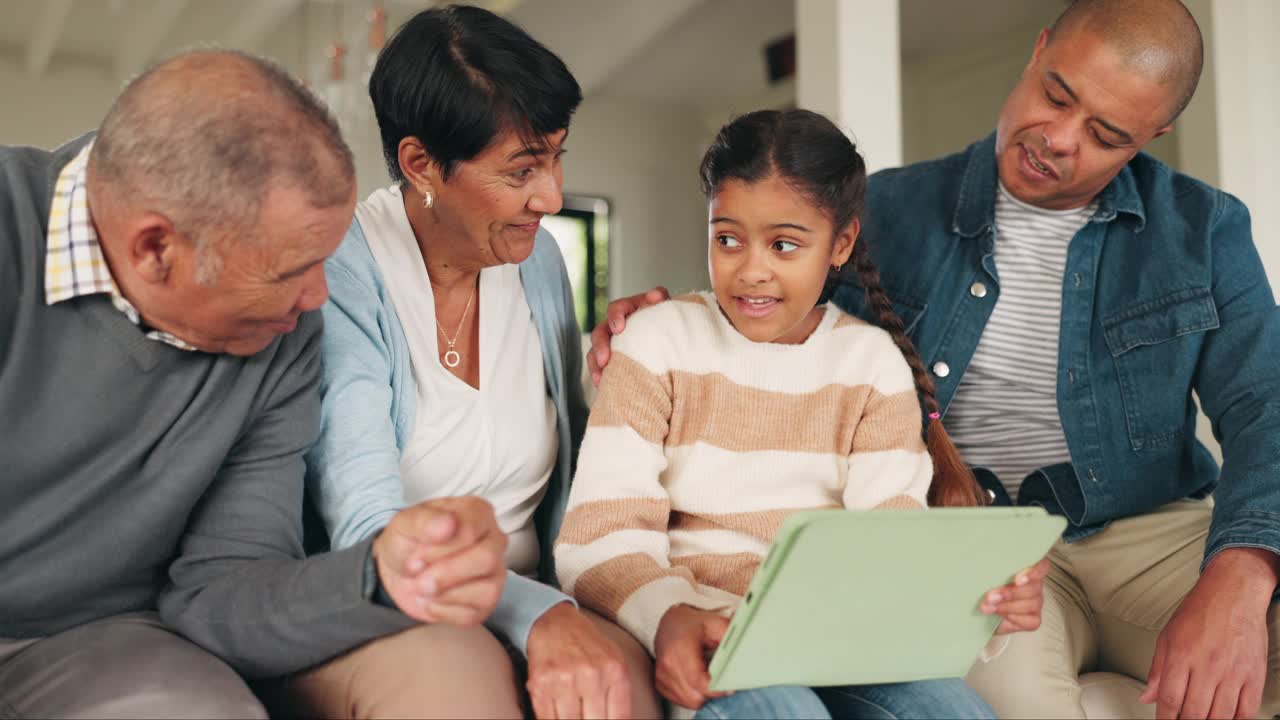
{"x":137,"y":476}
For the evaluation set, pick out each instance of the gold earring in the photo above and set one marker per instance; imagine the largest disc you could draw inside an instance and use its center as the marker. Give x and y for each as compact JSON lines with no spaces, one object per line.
{"x":428,"y":199}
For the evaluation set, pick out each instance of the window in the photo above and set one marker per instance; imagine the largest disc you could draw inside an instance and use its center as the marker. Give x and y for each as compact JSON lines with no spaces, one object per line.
{"x":581,"y":229}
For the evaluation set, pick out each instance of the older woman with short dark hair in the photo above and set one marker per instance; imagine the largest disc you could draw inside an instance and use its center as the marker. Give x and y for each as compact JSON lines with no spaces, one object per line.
{"x":451,"y":368}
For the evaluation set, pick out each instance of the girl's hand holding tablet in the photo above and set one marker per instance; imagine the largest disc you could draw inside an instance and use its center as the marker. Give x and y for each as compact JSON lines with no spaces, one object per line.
{"x":1019,"y":602}
{"x":686,"y":639}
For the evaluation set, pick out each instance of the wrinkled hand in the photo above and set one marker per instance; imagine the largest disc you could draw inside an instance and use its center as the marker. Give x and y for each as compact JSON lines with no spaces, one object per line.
{"x":1020,"y":602}
{"x":686,"y":639}
{"x":443,"y":560}
{"x":615,"y":321}
{"x":574,"y":671}
{"x":1211,"y":658}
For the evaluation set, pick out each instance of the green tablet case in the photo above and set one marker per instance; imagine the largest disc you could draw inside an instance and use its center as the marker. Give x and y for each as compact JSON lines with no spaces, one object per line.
{"x":859,"y":597}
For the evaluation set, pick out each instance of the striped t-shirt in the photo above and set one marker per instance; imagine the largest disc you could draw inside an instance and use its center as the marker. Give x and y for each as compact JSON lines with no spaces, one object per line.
{"x":701,"y":442}
{"x":1004,"y":416}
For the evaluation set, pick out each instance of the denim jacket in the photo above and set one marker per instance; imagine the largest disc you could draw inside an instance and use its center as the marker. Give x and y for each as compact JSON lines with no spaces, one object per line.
{"x":1163,"y":295}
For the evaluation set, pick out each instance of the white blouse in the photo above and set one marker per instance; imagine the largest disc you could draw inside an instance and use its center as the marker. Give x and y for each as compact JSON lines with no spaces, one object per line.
{"x":498,"y":442}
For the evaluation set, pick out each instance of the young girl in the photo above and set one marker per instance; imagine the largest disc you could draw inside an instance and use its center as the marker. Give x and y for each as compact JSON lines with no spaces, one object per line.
{"x":722,"y":413}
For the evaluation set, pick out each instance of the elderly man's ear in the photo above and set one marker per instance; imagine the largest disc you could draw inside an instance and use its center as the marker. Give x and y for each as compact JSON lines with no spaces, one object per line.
{"x":153,"y":246}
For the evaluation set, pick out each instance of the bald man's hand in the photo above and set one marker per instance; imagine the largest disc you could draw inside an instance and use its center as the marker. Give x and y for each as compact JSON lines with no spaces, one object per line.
{"x":615,"y":321}
{"x":443,"y":561}
{"x":1211,"y":658}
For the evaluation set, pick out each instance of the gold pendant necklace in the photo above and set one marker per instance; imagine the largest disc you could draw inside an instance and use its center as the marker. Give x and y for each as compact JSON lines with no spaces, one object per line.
{"x":451,"y":357}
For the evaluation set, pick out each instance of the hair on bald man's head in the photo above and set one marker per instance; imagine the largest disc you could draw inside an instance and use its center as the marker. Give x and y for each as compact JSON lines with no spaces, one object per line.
{"x":202,"y":138}
{"x":1159,"y":38}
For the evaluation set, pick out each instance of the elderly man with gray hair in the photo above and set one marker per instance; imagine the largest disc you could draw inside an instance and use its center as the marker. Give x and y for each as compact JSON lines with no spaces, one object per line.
{"x":158,"y":366}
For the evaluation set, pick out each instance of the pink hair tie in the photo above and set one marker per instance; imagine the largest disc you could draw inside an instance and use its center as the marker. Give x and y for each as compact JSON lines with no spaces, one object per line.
{"x":935,"y":416}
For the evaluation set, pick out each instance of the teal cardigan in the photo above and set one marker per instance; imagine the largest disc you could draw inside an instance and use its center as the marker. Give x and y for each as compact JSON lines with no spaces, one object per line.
{"x":370,"y":403}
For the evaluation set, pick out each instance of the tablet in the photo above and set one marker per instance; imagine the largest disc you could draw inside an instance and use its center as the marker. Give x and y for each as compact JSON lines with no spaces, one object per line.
{"x":849,"y":597}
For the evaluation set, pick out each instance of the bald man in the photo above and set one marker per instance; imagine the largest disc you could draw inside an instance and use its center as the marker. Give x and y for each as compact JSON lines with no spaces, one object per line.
{"x":159,"y":354}
{"x":1070,"y":294}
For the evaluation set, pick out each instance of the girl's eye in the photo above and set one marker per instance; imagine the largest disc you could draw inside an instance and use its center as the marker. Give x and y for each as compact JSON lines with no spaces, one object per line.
{"x":1054,"y":101}
{"x":728,"y":241}
{"x":785,"y":246}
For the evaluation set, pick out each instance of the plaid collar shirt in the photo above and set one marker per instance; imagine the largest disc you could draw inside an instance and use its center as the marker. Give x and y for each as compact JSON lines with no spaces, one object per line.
{"x":74,"y":263}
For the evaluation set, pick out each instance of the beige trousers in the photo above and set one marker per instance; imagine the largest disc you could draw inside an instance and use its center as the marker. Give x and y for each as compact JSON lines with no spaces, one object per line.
{"x":1107,"y":598}
{"x":437,"y":671}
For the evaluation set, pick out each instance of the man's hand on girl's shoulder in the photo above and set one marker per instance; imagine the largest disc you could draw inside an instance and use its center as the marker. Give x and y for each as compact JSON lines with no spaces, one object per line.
{"x":615,"y":321}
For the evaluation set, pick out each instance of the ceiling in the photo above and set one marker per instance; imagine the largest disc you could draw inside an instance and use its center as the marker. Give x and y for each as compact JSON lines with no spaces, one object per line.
{"x":686,"y":51}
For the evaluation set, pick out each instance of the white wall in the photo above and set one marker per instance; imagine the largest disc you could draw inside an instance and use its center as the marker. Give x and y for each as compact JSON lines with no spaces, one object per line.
{"x":950,"y":101}
{"x":1230,"y":134}
{"x":70,"y":97}
{"x":643,"y":157}
{"x":1197,"y":127}
{"x":68,"y":100}
{"x":1246,"y":56}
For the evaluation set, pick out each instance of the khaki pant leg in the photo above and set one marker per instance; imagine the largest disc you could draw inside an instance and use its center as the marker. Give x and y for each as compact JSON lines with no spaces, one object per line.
{"x":429,"y":671}
{"x":1136,"y":574}
{"x":644,"y":698}
{"x":1037,"y":675}
{"x":1271,"y":692}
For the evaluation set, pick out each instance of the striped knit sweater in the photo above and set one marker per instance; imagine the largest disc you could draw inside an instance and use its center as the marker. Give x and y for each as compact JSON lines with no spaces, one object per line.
{"x":701,"y":442}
